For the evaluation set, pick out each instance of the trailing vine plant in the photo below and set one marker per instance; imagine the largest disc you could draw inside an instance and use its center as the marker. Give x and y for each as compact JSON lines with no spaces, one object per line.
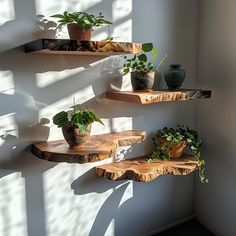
{"x":166,"y":138}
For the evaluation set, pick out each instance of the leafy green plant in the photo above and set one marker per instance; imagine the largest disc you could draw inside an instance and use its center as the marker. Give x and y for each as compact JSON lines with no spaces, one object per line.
{"x":166,"y":138}
{"x":82,"y":19}
{"x":80,"y":118}
{"x":140,"y":61}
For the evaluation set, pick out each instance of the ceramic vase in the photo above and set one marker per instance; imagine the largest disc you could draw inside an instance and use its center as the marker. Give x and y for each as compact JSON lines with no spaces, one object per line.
{"x":174,"y":76}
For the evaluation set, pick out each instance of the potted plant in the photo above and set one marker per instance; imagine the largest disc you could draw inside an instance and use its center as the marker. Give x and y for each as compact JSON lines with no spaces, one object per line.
{"x":170,"y":143}
{"x":76,"y":126}
{"x":142,"y":70}
{"x":80,"y":24}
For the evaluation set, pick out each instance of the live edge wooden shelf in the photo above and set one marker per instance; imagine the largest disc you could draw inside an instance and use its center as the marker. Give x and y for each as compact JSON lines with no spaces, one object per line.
{"x":96,"y":148}
{"x":159,"y":96}
{"x":81,"y":48}
{"x":138,"y":169}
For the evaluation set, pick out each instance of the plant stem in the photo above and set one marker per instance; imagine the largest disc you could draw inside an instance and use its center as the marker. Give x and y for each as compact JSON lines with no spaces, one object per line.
{"x":161,"y":62}
{"x":74,"y":104}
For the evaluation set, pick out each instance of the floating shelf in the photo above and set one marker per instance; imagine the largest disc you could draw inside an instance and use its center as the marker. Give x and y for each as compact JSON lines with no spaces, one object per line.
{"x":81,"y":48}
{"x":138,"y":169}
{"x":96,"y":148}
{"x":159,"y":96}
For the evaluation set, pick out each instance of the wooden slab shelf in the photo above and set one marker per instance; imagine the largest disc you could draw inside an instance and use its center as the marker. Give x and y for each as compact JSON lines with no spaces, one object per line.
{"x":138,"y":169}
{"x":158,"y":96}
{"x":96,"y":148}
{"x":81,"y":48}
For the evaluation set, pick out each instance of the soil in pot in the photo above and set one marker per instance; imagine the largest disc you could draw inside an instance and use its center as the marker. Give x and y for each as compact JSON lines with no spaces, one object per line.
{"x":142,"y":80}
{"x":77,"y":33}
{"x":74,"y":136}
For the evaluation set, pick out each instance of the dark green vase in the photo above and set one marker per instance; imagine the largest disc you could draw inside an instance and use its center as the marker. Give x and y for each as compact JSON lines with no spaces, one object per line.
{"x":174,"y":76}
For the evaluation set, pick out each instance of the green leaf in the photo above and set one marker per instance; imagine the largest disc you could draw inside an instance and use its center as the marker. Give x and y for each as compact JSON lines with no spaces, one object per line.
{"x":142,"y":57}
{"x":134,"y":58}
{"x":147,"y":47}
{"x":126,"y":70}
{"x":154,"y":53}
{"x":82,"y":127}
{"x":60,"y":119}
{"x":58,"y":16}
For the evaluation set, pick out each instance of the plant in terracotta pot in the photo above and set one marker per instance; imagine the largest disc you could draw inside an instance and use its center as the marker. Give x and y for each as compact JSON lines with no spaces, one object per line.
{"x":142,"y":69}
{"x":170,"y":143}
{"x":80,"y":24}
{"x":76,"y":126}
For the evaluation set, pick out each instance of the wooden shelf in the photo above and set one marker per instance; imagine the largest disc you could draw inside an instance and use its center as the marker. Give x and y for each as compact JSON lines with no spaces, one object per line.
{"x":81,"y":48}
{"x":138,"y":169}
{"x":96,"y":148}
{"x":159,"y":96}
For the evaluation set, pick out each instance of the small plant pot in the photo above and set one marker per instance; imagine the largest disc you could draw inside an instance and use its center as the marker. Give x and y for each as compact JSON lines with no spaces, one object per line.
{"x":77,"y":33}
{"x":142,"y":81}
{"x":73,"y":136}
{"x":176,"y":151}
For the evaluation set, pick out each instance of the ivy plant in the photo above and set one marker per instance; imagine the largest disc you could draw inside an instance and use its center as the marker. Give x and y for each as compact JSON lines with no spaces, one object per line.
{"x":166,"y":138}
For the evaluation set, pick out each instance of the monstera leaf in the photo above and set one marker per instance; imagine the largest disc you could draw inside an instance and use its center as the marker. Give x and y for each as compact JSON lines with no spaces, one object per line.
{"x":60,"y":119}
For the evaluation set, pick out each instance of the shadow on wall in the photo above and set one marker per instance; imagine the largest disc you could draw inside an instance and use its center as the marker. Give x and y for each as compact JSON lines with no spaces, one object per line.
{"x":131,"y":198}
{"x":88,"y":183}
{"x":23,"y":106}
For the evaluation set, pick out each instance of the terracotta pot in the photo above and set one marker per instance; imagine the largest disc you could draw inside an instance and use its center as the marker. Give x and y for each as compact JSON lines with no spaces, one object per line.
{"x":73,"y":136}
{"x":77,"y":33}
{"x":142,"y":81}
{"x":176,"y":150}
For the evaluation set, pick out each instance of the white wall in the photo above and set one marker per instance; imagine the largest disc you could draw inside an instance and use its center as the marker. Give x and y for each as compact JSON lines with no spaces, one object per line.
{"x":41,"y":198}
{"x":215,"y":202}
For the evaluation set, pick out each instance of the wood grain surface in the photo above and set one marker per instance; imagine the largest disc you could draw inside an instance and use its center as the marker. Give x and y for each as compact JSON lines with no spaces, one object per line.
{"x":139,"y":169}
{"x":158,"y":96}
{"x":96,"y":148}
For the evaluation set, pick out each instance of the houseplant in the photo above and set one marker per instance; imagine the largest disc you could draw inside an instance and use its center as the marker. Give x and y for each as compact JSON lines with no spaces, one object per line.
{"x":170,"y":143}
{"x":80,"y":24}
{"x":142,"y":69}
{"x":76,"y":125}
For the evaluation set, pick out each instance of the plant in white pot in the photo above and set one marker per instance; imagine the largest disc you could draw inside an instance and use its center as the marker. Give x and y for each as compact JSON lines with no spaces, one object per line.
{"x":142,"y":69}
{"x":80,"y":24}
{"x":76,"y":126}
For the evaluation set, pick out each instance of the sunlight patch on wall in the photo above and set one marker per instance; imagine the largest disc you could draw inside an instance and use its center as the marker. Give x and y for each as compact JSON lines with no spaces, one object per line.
{"x":12,"y":205}
{"x":7,"y":82}
{"x":97,"y":128}
{"x":7,"y":12}
{"x":121,"y":9}
{"x":89,"y":4}
{"x":8,"y":126}
{"x":122,"y":123}
{"x":50,"y":77}
{"x":126,"y":29}
{"x":55,"y":6}
{"x":122,"y":31}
